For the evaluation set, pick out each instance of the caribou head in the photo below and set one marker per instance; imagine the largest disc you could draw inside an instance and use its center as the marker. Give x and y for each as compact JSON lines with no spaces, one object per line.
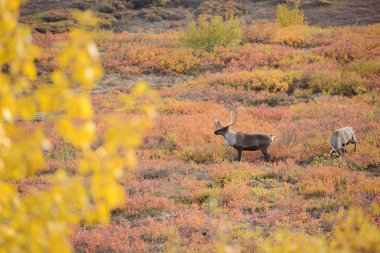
{"x":223,"y":130}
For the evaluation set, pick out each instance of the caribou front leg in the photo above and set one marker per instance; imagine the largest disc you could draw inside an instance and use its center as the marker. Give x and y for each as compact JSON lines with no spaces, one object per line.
{"x":240,"y":152}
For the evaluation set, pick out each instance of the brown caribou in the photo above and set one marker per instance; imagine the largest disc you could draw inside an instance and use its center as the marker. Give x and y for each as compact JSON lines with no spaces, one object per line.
{"x":243,"y":141}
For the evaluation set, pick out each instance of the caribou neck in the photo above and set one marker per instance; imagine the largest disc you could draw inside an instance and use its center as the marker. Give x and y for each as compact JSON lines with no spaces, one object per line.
{"x":230,"y":137}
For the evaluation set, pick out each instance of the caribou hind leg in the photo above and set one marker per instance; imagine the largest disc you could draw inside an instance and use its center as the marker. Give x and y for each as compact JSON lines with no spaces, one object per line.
{"x":266,"y":154}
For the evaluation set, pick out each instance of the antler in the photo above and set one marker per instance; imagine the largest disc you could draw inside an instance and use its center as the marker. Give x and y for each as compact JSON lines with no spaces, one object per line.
{"x":232,"y":121}
{"x":217,"y":124}
{"x":331,"y":146}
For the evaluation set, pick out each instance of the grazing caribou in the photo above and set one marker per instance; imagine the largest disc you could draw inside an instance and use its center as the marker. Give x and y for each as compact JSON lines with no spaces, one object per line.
{"x":340,"y":139}
{"x":242,"y":141}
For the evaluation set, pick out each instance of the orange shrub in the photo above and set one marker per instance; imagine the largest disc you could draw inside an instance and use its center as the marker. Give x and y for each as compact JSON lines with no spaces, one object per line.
{"x":179,"y":60}
{"x":331,"y":181}
{"x":260,"y":32}
{"x":352,"y":43}
{"x":252,"y":56}
{"x":135,"y":58}
{"x":300,"y":36}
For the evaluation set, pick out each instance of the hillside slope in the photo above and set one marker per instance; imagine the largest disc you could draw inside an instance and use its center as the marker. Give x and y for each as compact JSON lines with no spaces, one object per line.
{"x":160,"y":15}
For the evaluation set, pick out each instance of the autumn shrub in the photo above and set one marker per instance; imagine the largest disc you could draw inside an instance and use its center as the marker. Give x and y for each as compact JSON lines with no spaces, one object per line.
{"x":225,"y":9}
{"x":260,"y":32}
{"x":206,"y":154}
{"x":168,"y":39}
{"x":271,"y":80}
{"x":56,"y":21}
{"x":106,"y":8}
{"x":183,"y":107}
{"x":338,"y":83}
{"x":170,"y":143}
{"x":139,"y":57}
{"x":120,"y":236}
{"x":181,"y":60}
{"x":61,"y":20}
{"x":366,"y":68}
{"x":209,"y":33}
{"x":252,"y":56}
{"x":138,"y":4}
{"x":160,"y":13}
{"x":117,"y":58}
{"x":351,"y":43}
{"x":345,"y":186}
{"x":293,"y":35}
{"x":286,"y":16}
{"x":301,"y":35}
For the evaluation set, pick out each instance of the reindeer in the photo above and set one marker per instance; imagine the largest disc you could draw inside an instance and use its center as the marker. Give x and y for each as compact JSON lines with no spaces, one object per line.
{"x":242,"y":141}
{"x":340,"y":139}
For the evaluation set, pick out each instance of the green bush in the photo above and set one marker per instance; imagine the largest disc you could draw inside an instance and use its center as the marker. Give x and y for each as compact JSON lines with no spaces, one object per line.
{"x":209,"y":33}
{"x":287,"y":16}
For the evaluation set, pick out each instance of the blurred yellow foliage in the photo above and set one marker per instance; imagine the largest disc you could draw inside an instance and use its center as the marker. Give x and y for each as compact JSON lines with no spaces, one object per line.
{"x":41,"y":221}
{"x":352,"y":232}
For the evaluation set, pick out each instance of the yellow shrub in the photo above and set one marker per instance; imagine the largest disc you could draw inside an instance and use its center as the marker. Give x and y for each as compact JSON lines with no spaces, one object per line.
{"x":179,"y":60}
{"x":287,"y":16}
{"x":355,"y":233}
{"x":297,"y":35}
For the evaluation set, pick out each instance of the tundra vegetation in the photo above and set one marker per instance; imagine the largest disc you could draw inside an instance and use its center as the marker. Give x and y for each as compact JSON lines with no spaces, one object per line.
{"x":296,"y":81}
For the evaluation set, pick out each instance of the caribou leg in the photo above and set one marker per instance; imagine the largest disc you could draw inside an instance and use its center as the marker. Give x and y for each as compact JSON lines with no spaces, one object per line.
{"x":266,"y":154}
{"x":239,"y":154}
